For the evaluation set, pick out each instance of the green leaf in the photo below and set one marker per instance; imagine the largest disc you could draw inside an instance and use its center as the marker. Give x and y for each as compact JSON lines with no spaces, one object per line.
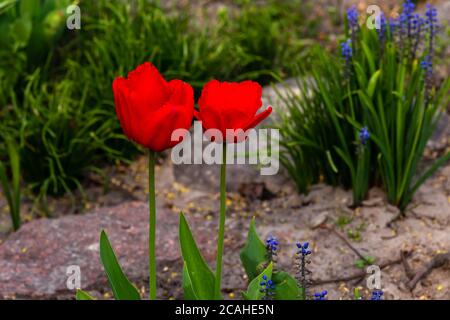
{"x":6,"y":5}
{"x":331,"y":162}
{"x":14,"y":160}
{"x":11,"y":189}
{"x":370,"y":259}
{"x":369,"y":56}
{"x":373,"y":83}
{"x":83,"y":295}
{"x":285,"y":286}
{"x":201,"y":277}
{"x":29,"y":8}
{"x":360,"y":264}
{"x":357,"y":294}
{"x":253,"y":292}
{"x":122,"y":288}
{"x":21,"y":31}
{"x":254,"y":254}
{"x":188,"y":291}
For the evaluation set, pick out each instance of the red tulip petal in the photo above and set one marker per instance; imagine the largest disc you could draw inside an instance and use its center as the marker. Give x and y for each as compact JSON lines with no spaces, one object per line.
{"x":177,"y":113}
{"x":258,"y":118}
{"x":148,"y":89}
{"x":207,"y":98}
{"x":181,"y":93}
{"x":234,"y":104}
{"x":211,"y":119}
{"x":123,"y":111}
{"x":166,"y":120}
{"x":244,"y":96}
{"x":249,"y":94}
{"x":117,"y":85}
{"x":150,"y":109}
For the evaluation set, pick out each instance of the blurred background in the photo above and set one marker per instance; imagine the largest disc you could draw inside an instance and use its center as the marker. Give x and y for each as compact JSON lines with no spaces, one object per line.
{"x":56,"y":101}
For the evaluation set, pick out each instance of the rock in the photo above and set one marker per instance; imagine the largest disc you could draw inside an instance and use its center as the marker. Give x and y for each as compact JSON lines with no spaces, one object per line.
{"x":392,"y":209}
{"x":274,"y":95}
{"x":34,"y":260}
{"x":294,"y":200}
{"x":318,"y":220}
{"x":207,"y":177}
{"x":440,"y":138}
{"x":373,"y":202}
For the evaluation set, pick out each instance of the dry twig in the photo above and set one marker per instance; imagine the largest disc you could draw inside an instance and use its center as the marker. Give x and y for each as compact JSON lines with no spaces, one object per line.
{"x":340,"y":236}
{"x":436,"y":262}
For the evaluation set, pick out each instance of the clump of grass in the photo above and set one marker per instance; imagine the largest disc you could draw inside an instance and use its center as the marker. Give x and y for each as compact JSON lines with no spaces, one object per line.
{"x":10,"y":181}
{"x":366,"y":120}
{"x":61,"y":138}
{"x":55,"y":84}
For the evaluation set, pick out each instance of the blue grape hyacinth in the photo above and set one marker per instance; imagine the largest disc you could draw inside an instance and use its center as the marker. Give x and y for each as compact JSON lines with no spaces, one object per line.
{"x":347,"y":53}
{"x":303,"y":248}
{"x":431,"y":16}
{"x":364,"y":135}
{"x":267,"y":288}
{"x":346,"y":49}
{"x":376,"y":295}
{"x":406,"y":17}
{"x":320,"y":295}
{"x":352,"y":17}
{"x":426,"y":64}
{"x":432,"y":26}
{"x":272,"y":243}
{"x":383,"y":27}
{"x":272,"y":249}
{"x":303,"y":273}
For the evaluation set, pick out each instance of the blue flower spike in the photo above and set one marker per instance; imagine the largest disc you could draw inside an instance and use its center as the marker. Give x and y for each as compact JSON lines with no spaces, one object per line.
{"x":272,"y":243}
{"x":346,"y":49}
{"x":321,"y":295}
{"x":376,"y":295}
{"x":352,"y":17}
{"x":364,"y":135}
{"x":303,"y":248}
{"x":267,"y":288}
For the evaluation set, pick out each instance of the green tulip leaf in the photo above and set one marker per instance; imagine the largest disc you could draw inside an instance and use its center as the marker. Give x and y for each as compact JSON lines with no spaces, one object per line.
{"x":188,"y":291}
{"x":254,"y":253}
{"x":254,"y":288}
{"x":122,"y":288}
{"x":285,"y":286}
{"x":83,"y":295}
{"x":200,"y":275}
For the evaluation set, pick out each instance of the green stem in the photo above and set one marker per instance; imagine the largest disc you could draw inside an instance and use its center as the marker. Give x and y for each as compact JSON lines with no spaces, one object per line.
{"x":221,"y":222}
{"x":152,"y":226}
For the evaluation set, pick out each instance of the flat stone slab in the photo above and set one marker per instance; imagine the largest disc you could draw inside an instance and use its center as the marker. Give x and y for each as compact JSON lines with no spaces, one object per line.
{"x":34,"y":260}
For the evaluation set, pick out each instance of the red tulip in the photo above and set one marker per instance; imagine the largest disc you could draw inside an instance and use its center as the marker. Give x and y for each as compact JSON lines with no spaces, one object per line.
{"x":231,"y":105}
{"x":149,"y":108}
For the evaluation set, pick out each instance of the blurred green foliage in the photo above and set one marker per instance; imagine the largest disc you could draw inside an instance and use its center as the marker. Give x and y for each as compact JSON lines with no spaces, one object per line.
{"x":29,"y":31}
{"x":55,"y":84}
{"x":10,"y":181}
